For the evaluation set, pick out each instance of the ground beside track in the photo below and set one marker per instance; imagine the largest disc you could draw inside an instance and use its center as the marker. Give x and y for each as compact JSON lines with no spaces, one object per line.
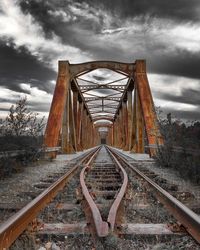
{"x":111,"y":242}
{"x":167,"y":173}
{"x":24,"y":182}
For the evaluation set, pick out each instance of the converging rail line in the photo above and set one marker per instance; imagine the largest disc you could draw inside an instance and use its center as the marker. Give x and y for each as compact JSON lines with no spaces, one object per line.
{"x":101,"y":187}
{"x":12,"y":228}
{"x":108,"y":181}
{"x":189,"y":219}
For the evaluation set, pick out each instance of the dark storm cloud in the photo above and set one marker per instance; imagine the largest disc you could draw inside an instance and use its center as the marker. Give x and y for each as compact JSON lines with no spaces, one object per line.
{"x":179,"y":63}
{"x":103,"y":30}
{"x":189,"y":96}
{"x":178,"y":10}
{"x":173,"y":9}
{"x":19,"y":66}
{"x":83,"y":33}
{"x":41,"y":11}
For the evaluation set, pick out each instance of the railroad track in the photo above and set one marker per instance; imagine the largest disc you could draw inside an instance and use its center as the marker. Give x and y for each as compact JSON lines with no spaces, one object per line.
{"x":11,"y":229}
{"x":103,"y":185}
{"x":98,"y":202}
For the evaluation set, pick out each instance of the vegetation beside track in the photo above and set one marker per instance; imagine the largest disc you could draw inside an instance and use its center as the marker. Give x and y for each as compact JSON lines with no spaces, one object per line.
{"x":186,"y":138}
{"x":21,"y":130}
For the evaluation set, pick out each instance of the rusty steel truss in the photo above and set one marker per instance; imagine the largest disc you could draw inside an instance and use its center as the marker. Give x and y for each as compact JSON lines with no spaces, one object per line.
{"x":81,"y":106}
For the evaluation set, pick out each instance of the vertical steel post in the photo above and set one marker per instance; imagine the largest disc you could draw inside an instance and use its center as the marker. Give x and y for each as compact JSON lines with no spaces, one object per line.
{"x":72,"y":131}
{"x":139,"y":126}
{"x":79,"y":128}
{"x":130,"y":104}
{"x":123,"y":124}
{"x":150,"y":119}
{"x":57,"y":106}
{"x":75,"y":111}
{"x":134,"y":125}
{"x":65,"y":127}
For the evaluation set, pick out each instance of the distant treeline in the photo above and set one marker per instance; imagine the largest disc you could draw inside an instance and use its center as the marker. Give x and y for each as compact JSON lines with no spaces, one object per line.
{"x":177,"y":134}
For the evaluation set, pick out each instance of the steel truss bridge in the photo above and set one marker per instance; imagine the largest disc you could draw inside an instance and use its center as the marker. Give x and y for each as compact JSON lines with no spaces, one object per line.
{"x":118,"y":112}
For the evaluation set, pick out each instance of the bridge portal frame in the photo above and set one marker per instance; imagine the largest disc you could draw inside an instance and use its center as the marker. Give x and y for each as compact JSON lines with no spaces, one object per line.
{"x":133,"y":117}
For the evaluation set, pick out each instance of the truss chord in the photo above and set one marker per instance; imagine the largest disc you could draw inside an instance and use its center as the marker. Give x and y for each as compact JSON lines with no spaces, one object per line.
{"x":121,"y":79}
{"x":130,"y":116}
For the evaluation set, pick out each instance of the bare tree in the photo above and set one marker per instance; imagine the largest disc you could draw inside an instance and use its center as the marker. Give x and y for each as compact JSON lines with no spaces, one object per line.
{"x":22,"y":122}
{"x":20,"y":130}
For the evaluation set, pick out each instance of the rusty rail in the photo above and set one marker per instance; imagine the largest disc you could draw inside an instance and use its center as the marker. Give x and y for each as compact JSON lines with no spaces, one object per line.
{"x":189,"y":219}
{"x":114,"y":208}
{"x":102,"y":227}
{"x":15,"y":225}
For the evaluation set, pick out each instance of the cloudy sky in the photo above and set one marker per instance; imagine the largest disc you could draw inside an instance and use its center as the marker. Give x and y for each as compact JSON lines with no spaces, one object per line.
{"x":35,"y":34}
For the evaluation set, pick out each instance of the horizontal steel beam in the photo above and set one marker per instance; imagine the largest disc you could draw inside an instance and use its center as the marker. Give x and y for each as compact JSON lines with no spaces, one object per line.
{"x":126,"y":68}
{"x":91,"y":99}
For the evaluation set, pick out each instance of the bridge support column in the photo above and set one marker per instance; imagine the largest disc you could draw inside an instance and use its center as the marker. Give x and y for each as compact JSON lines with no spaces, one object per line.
{"x":83,"y":129}
{"x":119,"y":130}
{"x":130,"y":104}
{"x":120,"y":122}
{"x":75,"y":111}
{"x":110,"y":136}
{"x":134,"y":126}
{"x":89,"y":132}
{"x":125,"y":119}
{"x":65,"y":128}
{"x":86,"y":130}
{"x":79,"y":125}
{"x":72,"y":123}
{"x":137,"y":139}
{"x":112,"y":131}
{"x":115,"y":129}
{"x":148,"y":110}
{"x":57,"y":107}
{"x":68,"y":127}
{"x":139,"y":126}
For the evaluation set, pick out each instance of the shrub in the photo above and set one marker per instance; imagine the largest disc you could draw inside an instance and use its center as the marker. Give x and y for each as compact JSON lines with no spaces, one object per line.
{"x":21,"y":130}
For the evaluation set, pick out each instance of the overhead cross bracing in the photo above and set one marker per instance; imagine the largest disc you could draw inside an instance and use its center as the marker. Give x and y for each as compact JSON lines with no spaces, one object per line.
{"x":123,"y":104}
{"x":102,"y":97}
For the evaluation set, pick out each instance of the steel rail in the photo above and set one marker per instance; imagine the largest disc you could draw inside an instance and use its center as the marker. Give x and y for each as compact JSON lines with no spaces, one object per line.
{"x":103,"y":227}
{"x":115,"y":206}
{"x":15,"y":225}
{"x":100,"y":225}
{"x":189,"y":219}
